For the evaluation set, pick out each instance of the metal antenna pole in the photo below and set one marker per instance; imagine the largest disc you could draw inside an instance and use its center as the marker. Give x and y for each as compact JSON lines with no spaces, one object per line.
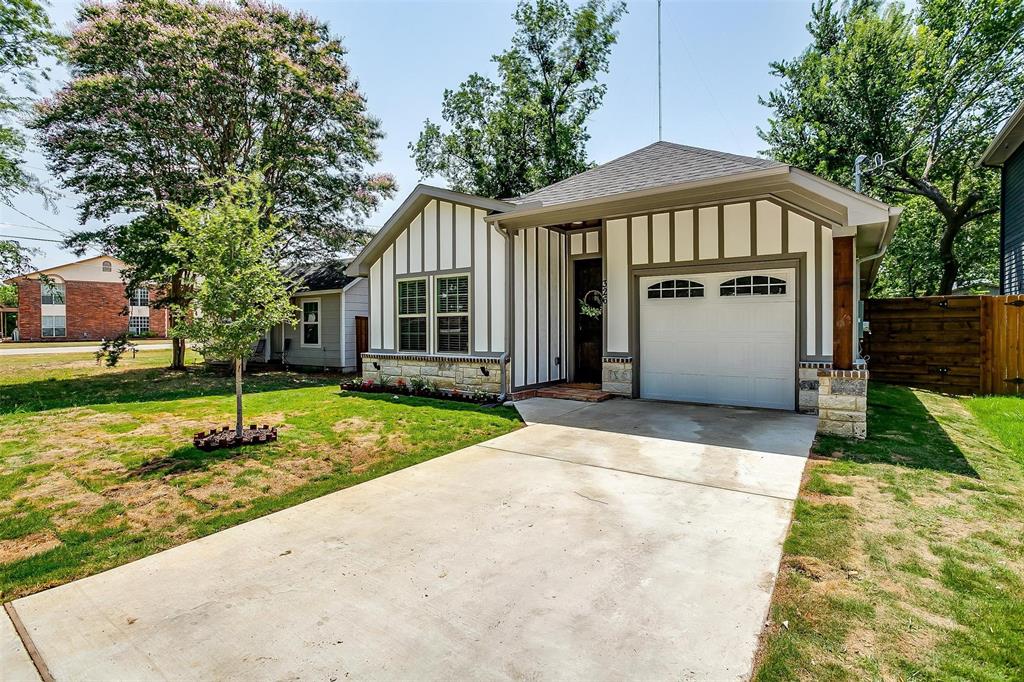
{"x":659,"y":71}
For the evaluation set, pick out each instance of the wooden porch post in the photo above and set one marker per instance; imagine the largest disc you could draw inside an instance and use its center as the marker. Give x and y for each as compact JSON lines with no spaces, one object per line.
{"x":843,"y":317}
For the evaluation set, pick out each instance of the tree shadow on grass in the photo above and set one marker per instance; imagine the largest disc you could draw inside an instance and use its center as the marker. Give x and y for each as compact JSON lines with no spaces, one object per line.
{"x":144,"y":385}
{"x":902,"y":432}
{"x":489,"y":409}
{"x":187,"y":459}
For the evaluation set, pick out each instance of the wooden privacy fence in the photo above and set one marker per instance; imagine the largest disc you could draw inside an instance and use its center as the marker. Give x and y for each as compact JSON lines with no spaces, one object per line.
{"x":955,"y":344}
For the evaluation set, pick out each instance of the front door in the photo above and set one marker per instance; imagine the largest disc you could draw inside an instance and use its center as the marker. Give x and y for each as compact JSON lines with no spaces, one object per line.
{"x":587,"y":328}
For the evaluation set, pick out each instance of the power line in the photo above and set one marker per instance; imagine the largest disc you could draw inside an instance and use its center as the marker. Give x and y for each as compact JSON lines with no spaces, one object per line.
{"x":660,"y":138}
{"x":39,"y":222}
{"x":34,"y":239}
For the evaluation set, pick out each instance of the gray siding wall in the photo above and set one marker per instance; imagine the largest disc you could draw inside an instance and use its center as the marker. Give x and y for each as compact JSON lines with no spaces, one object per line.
{"x":328,"y":354}
{"x":1013,"y":224}
{"x":357,"y":304}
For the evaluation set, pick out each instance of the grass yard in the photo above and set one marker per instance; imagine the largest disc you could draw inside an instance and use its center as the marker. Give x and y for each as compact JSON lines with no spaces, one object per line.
{"x":906,"y":554}
{"x":97,"y":466}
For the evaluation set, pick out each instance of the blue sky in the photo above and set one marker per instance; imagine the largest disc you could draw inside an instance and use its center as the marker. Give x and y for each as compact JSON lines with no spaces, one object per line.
{"x":715,"y":59}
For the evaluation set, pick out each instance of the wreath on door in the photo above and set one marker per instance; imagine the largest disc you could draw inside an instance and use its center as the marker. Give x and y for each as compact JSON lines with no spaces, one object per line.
{"x":592,"y":304}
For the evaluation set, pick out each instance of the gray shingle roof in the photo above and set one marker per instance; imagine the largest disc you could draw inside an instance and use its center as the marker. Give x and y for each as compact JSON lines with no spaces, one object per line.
{"x":656,"y":165}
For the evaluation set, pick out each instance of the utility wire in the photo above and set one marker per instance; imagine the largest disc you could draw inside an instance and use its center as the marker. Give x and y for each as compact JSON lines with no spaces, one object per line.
{"x":31,"y":239}
{"x":39,"y":222}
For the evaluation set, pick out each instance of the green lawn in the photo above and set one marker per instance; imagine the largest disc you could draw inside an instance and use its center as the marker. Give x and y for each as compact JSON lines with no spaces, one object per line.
{"x":906,"y":555}
{"x":97,"y":466}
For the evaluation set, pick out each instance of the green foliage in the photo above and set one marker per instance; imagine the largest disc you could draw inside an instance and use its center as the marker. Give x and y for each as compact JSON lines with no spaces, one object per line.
{"x":165,"y":93}
{"x":8,"y":294}
{"x":925,"y":87}
{"x":112,"y":349}
{"x":231,"y":243}
{"x":528,"y":130}
{"x":26,"y":37}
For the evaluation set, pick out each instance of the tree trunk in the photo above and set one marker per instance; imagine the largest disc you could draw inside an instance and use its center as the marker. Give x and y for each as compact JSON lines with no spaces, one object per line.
{"x":177,"y":344}
{"x":238,"y":397}
{"x":950,"y":266}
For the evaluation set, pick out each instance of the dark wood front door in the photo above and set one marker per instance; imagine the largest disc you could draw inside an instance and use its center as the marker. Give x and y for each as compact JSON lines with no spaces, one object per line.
{"x":587,"y":330}
{"x":362,"y":341}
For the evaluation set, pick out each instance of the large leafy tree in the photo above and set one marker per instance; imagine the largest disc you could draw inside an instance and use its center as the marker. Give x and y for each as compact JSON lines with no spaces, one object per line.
{"x":26,"y":39}
{"x":164,"y":93}
{"x":231,"y":244}
{"x":927,"y":89}
{"x":529,"y":129}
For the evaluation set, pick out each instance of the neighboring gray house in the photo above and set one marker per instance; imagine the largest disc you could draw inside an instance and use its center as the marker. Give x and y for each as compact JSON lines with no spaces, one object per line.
{"x":332,"y":331}
{"x":1007,"y":153}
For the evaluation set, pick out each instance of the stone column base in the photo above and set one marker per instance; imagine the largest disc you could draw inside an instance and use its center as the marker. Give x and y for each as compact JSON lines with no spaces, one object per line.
{"x":617,"y":376}
{"x":842,"y":402}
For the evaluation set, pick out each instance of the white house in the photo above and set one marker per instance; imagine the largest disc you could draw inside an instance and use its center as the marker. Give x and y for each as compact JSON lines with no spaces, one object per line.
{"x":714,"y":278}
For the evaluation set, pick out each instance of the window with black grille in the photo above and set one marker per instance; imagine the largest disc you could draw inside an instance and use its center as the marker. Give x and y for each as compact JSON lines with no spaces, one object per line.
{"x":676,"y":288}
{"x":753,"y":285}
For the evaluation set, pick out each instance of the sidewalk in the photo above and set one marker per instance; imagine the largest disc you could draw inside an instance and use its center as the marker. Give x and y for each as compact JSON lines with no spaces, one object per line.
{"x":15,"y":350}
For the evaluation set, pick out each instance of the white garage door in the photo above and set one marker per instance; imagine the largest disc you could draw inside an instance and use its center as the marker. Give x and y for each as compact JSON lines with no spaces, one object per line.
{"x":725,"y":338}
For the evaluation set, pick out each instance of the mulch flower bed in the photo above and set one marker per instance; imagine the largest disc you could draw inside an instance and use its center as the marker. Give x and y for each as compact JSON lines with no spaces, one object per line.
{"x":400,"y":387}
{"x":226,"y":438}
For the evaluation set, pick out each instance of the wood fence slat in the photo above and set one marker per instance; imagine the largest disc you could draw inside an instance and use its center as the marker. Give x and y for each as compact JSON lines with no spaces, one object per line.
{"x":959,"y":344}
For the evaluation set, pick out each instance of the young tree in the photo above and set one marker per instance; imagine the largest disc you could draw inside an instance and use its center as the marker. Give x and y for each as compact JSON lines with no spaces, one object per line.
{"x":925,"y":87}
{"x":530,"y":130}
{"x":164,"y":93}
{"x":231,"y":244}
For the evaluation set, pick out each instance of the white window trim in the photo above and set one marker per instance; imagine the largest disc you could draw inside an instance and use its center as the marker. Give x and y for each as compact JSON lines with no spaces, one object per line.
{"x":425,"y":315}
{"x":53,"y":336}
{"x":56,"y":285}
{"x":319,"y":323}
{"x":131,"y":299}
{"x":467,"y":314}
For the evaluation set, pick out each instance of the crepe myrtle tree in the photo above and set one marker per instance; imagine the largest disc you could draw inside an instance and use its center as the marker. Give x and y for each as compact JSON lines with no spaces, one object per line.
{"x":230,"y":243}
{"x":164,"y":93}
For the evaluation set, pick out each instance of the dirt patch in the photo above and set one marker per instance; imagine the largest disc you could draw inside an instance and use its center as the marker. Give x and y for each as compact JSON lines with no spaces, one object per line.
{"x":149,"y":504}
{"x":363,"y":445}
{"x":223,"y":491}
{"x":58,"y":491}
{"x":27,"y":545}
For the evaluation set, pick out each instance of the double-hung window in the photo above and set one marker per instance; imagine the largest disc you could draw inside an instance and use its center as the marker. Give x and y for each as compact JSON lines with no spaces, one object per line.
{"x":53,"y":293}
{"x":412,"y":315}
{"x":453,"y":314}
{"x":138,"y":325}
{"x":140,"y":297}
{"x":311,"y":323}
{"x":54,"y":326}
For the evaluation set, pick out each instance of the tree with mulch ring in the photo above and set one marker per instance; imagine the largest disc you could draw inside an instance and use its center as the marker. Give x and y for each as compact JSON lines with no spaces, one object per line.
{"x":230,"y":245}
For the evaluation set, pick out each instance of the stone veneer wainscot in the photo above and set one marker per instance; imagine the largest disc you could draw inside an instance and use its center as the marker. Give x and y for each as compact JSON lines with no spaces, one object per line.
{"x":617,"y":375}
{"x":462,"y":372}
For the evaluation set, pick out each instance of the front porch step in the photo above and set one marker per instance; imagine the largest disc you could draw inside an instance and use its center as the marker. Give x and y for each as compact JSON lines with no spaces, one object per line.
{"x":574,"y":392}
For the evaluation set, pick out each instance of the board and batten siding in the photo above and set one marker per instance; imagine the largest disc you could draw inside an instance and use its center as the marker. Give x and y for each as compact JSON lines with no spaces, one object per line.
{"x":1012,"y":267}
{"x":722,"y":236}
{"x":444,"y":238}
{"x":540,"y":310}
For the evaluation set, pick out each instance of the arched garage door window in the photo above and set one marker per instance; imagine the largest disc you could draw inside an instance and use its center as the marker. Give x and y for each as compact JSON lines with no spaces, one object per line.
{"x":752,"y":285}
{"x":676,"y":288}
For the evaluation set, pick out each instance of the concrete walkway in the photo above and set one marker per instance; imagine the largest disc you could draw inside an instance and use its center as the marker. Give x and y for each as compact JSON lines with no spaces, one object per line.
{"x":56,"y":350}
{"x":624,"y":539}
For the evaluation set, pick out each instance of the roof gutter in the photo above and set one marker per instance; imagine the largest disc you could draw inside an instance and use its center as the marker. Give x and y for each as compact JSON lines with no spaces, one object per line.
{"x":883,"y":245}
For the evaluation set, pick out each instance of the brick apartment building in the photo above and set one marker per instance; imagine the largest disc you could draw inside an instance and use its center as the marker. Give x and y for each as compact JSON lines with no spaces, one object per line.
{"x":84,"y":301}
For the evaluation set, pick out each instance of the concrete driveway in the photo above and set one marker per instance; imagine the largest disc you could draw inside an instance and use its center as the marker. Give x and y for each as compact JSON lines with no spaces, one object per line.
{"x":624,"y":539}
